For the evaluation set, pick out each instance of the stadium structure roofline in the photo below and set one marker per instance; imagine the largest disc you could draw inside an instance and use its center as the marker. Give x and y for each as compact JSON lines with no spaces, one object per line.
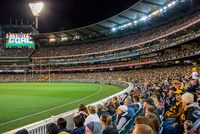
{"x":140,"y":9}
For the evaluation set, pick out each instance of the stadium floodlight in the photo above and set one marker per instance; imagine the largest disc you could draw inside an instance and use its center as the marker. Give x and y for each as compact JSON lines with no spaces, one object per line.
{"x":36,"y":9}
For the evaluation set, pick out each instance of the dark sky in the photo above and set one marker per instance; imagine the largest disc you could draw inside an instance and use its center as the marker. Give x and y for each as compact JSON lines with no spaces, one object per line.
{"x":62,"y":14}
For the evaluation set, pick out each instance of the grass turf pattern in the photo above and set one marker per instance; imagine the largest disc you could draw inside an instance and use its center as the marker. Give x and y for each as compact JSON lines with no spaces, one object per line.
{"x":30,"y":102}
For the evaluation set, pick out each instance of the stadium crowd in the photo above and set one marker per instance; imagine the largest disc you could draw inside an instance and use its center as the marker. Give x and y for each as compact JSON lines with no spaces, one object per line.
{"x":168,"y":54}
{"x":163,"y":100}
{"x":146,"y":48}
{"x":116,"y":43}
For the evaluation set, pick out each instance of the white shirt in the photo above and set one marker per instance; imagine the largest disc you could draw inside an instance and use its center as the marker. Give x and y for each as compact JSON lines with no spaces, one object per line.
{"x":195,"y":75}
{"x":91,"y":117}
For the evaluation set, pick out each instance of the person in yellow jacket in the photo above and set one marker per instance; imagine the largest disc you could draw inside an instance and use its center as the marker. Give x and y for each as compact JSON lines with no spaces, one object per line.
{"x":174,"y":111}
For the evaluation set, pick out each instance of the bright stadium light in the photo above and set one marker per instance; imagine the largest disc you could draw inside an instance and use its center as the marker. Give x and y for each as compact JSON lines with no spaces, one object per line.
{"x":114,"y":29}
{"x":144,"y":18}
{"x":36,"y":9}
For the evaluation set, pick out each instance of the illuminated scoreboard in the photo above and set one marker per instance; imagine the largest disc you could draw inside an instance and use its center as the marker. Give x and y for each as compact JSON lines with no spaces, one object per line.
{"x":19,"y":40}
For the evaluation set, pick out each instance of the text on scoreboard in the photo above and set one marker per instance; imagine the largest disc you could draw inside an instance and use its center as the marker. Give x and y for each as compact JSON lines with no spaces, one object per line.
{"x":19,"y":40}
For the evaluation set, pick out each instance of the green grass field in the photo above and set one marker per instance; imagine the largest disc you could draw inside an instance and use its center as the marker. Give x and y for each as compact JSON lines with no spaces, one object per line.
{"x":25,"y":103}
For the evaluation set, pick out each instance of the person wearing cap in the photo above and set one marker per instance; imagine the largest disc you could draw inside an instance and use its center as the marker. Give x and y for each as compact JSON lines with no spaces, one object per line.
{"x":149,"y":102}
{"x":94,"y":128}
{"x":122,"y":116}
{"x":174,"y":111}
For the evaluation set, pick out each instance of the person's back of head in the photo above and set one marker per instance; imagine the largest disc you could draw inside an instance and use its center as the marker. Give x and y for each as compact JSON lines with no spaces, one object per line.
{"x":23,"y":131}
{"x":78,"y":121}
{"x":144,"y":120}
{"x":151,"y":109}
{"x":154,"y":121}
{"x":52,"y":128}
{"x":62,"y":123}
{"x":94,"y":128}
{"x":143,"y":129}
{"x":105,"y":119}
{"x":128,"y":100}
{"x":82,"y":107}
{"x":91,"y":110}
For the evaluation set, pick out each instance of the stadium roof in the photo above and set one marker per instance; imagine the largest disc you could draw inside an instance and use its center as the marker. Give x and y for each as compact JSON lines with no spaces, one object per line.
{"x":137,"y":11}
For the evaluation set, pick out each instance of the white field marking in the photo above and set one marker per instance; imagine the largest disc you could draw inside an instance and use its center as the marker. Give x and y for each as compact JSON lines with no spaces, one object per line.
{"x":101,"y":87}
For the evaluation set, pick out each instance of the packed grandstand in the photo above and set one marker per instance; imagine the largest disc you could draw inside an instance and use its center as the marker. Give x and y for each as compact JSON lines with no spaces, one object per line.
{"x":162,"y":63}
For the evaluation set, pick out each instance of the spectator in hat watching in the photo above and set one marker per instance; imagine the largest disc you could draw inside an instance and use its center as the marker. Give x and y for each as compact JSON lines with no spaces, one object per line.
{"x":174,"y":111}
{"x":150,"y":103}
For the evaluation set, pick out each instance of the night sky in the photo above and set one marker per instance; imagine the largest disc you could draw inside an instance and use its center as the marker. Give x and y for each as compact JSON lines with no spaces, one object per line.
{"x":62,"y":14}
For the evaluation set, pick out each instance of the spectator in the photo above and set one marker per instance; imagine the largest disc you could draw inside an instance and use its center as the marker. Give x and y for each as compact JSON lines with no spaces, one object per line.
{"x":92,"y":115}
{"x":146,"y":121}
{"x":108,"y":128}
{"x":122,"y":116}
{"x":79,"y":124}
{"x":102,"y":110}
{"x":128,"y":102}
{"x":143,"y":129}
{"x":52,"y":128}
{"x":155,"y":121}
{"x":82,"y":110}
{"x":62,"y":124}
{"x":94,"y":128}
{"x":23,"y":131}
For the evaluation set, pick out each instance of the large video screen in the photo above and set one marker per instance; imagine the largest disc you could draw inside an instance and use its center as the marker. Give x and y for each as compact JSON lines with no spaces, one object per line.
{"x":19,"y":40}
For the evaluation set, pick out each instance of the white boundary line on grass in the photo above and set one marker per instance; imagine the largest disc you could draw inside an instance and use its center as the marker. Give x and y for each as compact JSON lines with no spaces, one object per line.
{"x":101,"y":87}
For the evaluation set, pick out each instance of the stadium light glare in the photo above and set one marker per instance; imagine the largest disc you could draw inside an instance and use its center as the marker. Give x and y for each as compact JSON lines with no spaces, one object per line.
{"x":144,"y":18}
{"x":135,"y":22}
{"x":114,"y":29}
{"x":36,"y":9}
{"x":52,"y":40}
{"x":161,"y":10}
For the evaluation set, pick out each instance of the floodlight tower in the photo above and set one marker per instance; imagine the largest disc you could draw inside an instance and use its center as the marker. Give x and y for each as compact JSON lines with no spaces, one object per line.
{"x":36,"y":9}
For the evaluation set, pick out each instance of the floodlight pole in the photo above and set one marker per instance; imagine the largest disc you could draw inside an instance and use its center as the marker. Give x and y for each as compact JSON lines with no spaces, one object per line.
{"x":36,"y":22}
{"x":36,"y":9}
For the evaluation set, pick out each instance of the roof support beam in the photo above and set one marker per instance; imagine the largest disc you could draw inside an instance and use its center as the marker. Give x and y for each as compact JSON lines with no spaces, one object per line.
{"x":122,"y":16}
{"x":152,"y":3}
{"x":113,"y":22}
{"x":84,"y":34}
{"x":91,"y":29}
{"x":137,"y":11}
{"x":69,"y":34}
{"x":57,"y":36}
{"x":103,"y":26}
